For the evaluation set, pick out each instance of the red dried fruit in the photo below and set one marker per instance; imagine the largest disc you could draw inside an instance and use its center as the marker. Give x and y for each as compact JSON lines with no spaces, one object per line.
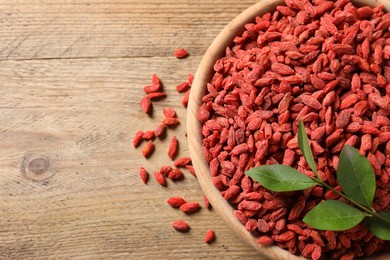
{"x":182,"y":162}
{"x":148,"y":135}
{"x":170,"y":121}
{"x":183,"y":87}
{"x":169,"y":112}
{"x":186,"y":98}
{"x":152,"y":88}
{"x":181,"y":53}
{"x":190,"y":78}
{"x":265,"y":240}
{"x":250,"y":205}
{"x":206,"y":202}
{"x":342,"y":48}
{"x":282,"y":69}
{"x":286,"y":236}
{"x":349,"y":101}
{"x":251,"y":225}
{"x":364,"y":12}
{"x":286,"y":11}
{"x":173,"y":148}
{"x":175,"y":174}
{"x":191,"y":169}
{"x":148,"y":149}
{"x":159,"y":130}
{"x":190,"y":207}
{"x":165,"y":170}
{"x":181,"y":226}
{"x":146,"y":105}
{"x":311,"y":102}
{"x":160,"y":178}
{"x":156,"y":80}
{"x":240,"y":216}
{"x":297,"y":210}
{"x":138,"y":138}
{"x":144,"y":175}
{"x":176,"y":202}
{"x":210,"y":236}
{"x":263,"y":226}
{"x":232,"y":192}
{"x":156,"y":95}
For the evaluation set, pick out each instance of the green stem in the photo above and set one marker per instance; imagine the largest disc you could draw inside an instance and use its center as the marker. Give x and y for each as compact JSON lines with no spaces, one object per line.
{"x":387,"y":221}
{"x":358,"y":205}
{"x":365,"y":209}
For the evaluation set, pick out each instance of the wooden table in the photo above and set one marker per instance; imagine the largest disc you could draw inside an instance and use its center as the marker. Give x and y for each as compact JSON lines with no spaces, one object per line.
{"x":72,"y":75}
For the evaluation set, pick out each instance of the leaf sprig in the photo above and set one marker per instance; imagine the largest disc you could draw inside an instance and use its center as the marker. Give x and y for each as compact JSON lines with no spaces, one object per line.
{"x":355,"y":177}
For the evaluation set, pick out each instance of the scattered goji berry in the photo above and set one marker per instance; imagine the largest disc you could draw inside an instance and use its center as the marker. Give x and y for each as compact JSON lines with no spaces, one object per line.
{"x":181,"y":53}
{"x":173,"y":148}
{"x":175,"y":174}
{"x":144,"y":175}
{"x":138,"y":138}
{"x":146,"y":105}
{"x":210,"y":236}
{"x":160,"y":178}
{"x":190,"y":207}
{"x":148,"y":149}
{"x":170,"y":121}
{"x":181,"y":226}
{"x":176,"y":202}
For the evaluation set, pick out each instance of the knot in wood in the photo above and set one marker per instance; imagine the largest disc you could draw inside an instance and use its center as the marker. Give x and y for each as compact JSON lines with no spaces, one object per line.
{"x":36,"y":166}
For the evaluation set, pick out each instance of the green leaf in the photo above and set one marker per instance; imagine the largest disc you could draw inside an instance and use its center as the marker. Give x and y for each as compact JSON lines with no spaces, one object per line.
{"x":379,"y":227}
{"x":333,"y":215}
{"x":356,"y":176}
{"x":279,"y":177}
{"x":304,"y":145}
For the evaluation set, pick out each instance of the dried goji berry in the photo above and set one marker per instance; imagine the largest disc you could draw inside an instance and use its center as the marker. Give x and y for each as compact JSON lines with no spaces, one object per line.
{"x":190,"y":207}
{"x":170,"y":121}
{"x":144,"y":175}
{"x":146,"y":105}
{"x":183,"y":87}
{"x":175,"y":174}
{"x":173,"y":148}
{"x":181,"y":53}
{"x":181,"y":226}
{"x":182,"y":162}
{"x":138,"y":138}
{"x":186,"y":98}
{"x":206,"y":202}
{"x":159,"y":130}
{"x":160,"y":178}
{"x":176,"y":202}
{"x":148,"y":149}
{"x":169,"y":112}
{"x":210,"y":236}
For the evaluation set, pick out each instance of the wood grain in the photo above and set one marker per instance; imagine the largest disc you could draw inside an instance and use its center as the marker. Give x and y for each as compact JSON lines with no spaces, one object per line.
{"x":91,"y":29}
{"x":71,"y":80}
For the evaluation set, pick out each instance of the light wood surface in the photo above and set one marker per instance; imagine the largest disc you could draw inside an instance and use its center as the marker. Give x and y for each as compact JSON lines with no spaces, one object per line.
{"x":72,"y":75}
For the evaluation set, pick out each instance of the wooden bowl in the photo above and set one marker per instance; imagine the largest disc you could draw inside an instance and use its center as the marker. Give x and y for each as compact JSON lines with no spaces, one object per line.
{"x":203,"y":75}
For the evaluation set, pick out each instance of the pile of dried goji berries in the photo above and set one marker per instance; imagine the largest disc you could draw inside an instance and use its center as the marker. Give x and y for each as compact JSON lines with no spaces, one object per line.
{"x":154,"y":92}
{"x":327,"y":62}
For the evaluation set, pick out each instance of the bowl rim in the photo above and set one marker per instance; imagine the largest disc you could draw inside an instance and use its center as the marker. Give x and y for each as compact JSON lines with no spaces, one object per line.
{"x":203,"y":74}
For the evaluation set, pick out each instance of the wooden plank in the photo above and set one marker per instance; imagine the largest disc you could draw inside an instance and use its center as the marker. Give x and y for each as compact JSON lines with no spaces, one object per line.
{"x":71,"y":79}
{"x":82,"y":114}
{"x":89,"y":29}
